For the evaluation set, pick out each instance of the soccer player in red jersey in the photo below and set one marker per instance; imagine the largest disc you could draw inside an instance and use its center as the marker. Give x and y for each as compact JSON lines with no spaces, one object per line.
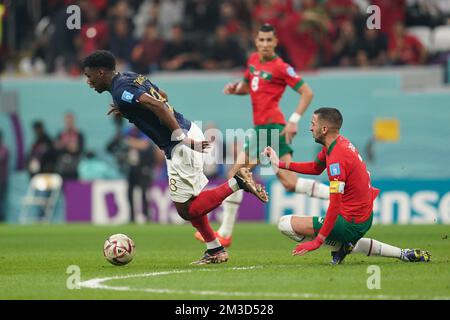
{"x":349,"y":215}
{"x":265,"y":80}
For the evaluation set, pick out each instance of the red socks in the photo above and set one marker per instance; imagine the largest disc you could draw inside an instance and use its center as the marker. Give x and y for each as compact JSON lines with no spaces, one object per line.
{"x":202,"y":225}
{"x":204,"y":203}
{"x":208,"y":200}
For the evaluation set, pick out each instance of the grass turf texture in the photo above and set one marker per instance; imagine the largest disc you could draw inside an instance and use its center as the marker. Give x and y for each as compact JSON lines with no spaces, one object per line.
{"x":34,"y":260}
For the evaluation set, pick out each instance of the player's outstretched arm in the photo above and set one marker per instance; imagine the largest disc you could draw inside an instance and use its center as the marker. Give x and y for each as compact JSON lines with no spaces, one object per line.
{"x":291,"y":128}
{"x":307,"y":95}
{"x":312,"y":168}
{"x":330,"y":219}
{"x":160,"y":109}
{"x":238,"y":88}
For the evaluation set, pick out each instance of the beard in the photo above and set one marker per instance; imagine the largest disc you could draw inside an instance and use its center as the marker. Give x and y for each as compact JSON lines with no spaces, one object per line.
{"x":319,"y":139}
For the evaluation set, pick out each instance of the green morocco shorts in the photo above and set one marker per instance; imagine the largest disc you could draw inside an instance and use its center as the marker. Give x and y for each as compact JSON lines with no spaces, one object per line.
{"x":263,"y":136}
{"x":344,"y":231}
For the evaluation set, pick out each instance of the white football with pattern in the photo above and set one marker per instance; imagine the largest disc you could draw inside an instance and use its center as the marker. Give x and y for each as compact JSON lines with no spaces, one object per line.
{"x":119,"y":249}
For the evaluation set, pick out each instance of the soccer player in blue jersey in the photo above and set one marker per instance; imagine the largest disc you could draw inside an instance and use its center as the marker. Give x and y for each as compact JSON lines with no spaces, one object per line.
{"x":141,"y":102}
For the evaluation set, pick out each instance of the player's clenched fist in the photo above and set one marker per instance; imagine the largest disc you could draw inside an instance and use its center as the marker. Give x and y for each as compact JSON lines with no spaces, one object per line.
{"x":230,"y":88}
{"x":272,"y":155}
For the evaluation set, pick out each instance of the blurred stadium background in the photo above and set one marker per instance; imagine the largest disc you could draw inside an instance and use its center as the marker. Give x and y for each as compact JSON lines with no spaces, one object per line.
{"x":395,"y":99}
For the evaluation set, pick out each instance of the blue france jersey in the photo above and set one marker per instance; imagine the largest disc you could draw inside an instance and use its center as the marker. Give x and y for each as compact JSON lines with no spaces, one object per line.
{"x":126,"y":88}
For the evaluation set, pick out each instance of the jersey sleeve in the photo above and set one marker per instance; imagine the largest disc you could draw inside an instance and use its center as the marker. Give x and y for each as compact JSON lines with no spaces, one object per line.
{"x":321,"y":158}
{"x":291,"y":77}
{"x":246,"y":77}
{"x":247,"y":74}
{"x":154,"y":86}
{"x":128,"y":95}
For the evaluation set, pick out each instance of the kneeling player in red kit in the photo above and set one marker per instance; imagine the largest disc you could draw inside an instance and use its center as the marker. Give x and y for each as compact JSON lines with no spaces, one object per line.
{"x":349,"y":215}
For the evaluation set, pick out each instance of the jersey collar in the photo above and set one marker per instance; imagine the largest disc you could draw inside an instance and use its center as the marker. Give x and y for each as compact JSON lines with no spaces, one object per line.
{"x":270,"y":59}
{"x":114,"y":78}
{"x":332,"y":145}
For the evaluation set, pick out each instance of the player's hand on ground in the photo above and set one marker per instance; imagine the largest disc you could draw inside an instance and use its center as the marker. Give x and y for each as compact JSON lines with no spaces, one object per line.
{"x":305,"y":247}
{"x":289,"y":131}
{"x":230,"y":88}
{"x":114,"y":110}
{"x":199,"y":146}
{"x":272,"y":155}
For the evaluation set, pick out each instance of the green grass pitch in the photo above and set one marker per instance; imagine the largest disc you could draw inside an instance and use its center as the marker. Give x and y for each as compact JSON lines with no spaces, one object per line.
{"x":34,"y":262}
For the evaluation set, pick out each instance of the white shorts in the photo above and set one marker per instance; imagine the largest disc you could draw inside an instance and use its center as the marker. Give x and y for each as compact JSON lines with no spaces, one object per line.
{"x":185,"y":169}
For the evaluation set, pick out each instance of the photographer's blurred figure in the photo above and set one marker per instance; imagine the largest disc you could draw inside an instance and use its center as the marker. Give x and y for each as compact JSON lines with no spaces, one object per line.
{"x":70,"y":146}
{"x":42,"y":157}
{"x":141,"y":161}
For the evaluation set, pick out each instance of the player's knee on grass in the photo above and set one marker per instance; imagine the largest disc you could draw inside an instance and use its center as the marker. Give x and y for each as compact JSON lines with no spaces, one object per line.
{"x":285,"y":227}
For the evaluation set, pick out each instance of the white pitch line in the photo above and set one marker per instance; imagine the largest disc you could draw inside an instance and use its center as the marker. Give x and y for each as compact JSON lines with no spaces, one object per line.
{"x":98,"y":283}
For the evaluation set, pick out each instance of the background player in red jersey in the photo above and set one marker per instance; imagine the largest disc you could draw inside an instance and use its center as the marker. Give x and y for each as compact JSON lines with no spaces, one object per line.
{"x":349,"y":215}
{"x":265,"y":79}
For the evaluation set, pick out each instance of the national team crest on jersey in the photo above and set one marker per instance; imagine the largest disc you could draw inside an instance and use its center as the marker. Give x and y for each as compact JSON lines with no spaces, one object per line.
{"x":290,"y":71}
{"x":127,"y":96}
{"x":335,"y":170}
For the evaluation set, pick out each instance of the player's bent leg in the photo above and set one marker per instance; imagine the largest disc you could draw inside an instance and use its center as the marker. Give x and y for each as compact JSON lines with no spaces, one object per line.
{"x":186,"y":183}
{"x":312,"y":188}
{"x":288,"y":179}
{"x":215,"y":252}
{"x":301,"y":229}
{"x":302,"y":226}
{"x":230,"y":211}
{"x":372,"y":247}
{"x":208,"y":200}
{"x":231,"y":204}
{"x":286,"y":228}
{"x":242,"y":160}
{"x":292,"y":182}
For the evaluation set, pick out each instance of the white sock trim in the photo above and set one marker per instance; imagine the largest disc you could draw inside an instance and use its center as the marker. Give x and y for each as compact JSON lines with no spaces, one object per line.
{"x":233,"y":184}
{"x":312,"y":188}
{"x":213,"y":244}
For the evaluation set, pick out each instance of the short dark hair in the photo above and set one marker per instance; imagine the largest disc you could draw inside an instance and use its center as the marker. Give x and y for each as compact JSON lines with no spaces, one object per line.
{"x":330,"y":115}
{"x":267,"y":27}
{"x":100,"y":59}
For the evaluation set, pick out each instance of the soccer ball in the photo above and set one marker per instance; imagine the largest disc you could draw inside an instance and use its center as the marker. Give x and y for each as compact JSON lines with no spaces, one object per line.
{"x":119,"y":249}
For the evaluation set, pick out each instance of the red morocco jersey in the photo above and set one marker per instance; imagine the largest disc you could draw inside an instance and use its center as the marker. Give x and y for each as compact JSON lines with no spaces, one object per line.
{"x":348,"y":175}
{"x":267,"y":81}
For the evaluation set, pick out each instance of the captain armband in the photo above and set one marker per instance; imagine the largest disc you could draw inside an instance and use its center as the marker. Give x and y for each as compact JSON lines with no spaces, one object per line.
{"x":337,"y":186}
